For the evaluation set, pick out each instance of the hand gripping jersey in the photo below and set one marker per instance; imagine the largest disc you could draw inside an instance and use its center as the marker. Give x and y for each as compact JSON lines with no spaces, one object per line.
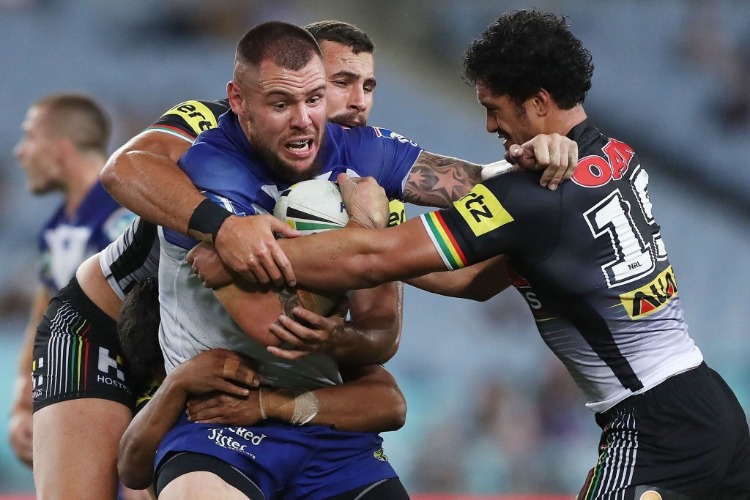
{"x":224,"y":165}
{"x":66,"y":241}
{"x":589,"y":260}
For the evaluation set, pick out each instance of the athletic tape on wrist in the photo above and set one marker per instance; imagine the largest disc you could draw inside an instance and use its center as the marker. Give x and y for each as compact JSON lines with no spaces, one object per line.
{"x":208,"y":218}
{"x":260,"y":403}
{"x":306,"y":406}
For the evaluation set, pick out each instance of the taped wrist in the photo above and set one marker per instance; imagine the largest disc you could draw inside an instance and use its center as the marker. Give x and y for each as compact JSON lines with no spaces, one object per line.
{"x":306,"y":406}
{"x":208,"y":218}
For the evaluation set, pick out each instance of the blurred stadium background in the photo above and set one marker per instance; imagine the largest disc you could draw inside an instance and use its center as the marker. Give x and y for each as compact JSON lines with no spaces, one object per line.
{"x":490,"y":410}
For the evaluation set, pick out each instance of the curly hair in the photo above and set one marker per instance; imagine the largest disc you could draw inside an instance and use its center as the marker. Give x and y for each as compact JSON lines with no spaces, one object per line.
{"x":525,"y":51}
{"x":138,"y":331}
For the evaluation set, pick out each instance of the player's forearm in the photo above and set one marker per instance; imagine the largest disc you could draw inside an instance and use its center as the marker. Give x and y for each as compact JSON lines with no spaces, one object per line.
{"x":253,"y":308}
{"x":143,"y":176}
{"x":437,"y":180}
{"x":479,"y":282}
{"x":141,"y":439}
{"x":362,"y":258}
{"x":371,"y":404}
{"x":373,"y":333}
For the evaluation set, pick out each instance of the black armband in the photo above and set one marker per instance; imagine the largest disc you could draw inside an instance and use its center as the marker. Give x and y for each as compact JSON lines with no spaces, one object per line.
{"x":208,"y":218}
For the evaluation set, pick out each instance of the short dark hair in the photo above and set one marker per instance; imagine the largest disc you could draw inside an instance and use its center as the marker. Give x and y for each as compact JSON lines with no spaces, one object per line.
{"x":138,"y":331}
{"x":79,"y":118}
{"x":288,"y":46}
{"x":525,"y":51}
{"x":341,"y":32}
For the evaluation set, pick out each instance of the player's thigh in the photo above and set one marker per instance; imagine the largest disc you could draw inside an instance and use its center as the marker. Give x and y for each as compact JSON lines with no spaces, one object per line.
{"x":75,"y":448}
{"x":200,"y":484}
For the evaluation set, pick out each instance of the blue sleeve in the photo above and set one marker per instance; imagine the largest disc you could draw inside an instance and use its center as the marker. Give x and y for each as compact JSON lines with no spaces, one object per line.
{"x":382,"y":154}
{"x":221,"y":178}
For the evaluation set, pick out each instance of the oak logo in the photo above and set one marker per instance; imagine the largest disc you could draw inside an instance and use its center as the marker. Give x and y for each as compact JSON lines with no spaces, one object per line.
{"x":482,"y":211}
{"x":594,"y":171}
{"x":652,"y":296}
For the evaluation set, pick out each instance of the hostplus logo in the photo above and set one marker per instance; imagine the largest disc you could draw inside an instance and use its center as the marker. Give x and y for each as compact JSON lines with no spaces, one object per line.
{"x":112,"y":370}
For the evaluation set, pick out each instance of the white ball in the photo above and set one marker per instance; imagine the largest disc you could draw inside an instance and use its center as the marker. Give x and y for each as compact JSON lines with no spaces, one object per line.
{"x":312,"y":206}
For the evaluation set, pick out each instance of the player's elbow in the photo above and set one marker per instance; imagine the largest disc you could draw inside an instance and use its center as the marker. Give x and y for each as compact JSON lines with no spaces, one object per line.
{"x":134,"y":471}
{"x":109,"y":175}
{"x":397,"y":416}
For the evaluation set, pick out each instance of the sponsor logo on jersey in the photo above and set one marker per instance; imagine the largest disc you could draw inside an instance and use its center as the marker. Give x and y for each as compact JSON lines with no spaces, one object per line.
{"x":397,"y":214}
{"x":197,"y":115}
{"x":482,"y":211}
{"x":387,"y":134}
{"x":230,"y":441}
{"x":595,"y":171}
{"x":651,"y":297}
{"x":380,"y":455}
{"x":524,"y":288}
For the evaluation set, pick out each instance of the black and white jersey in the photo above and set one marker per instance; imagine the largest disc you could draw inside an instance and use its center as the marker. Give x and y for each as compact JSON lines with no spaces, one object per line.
{"x":589,"y":260}
{"x":134,"y":256}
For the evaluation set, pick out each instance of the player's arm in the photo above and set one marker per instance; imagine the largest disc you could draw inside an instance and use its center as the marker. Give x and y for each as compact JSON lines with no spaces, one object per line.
{"x":370,"y":335}
{"x":363,"y":258}
{"x":144,"y":177}
{"x":369,"y":400}
{"x":478,"y":282}
{"x":437,"y":180}
{"x":214,"y":370}
{"x":20,"y":423}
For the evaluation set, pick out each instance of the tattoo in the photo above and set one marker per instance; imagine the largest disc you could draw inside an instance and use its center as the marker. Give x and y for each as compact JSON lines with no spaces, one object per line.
{"x":437,"y":180}
{"x":289,"y":300}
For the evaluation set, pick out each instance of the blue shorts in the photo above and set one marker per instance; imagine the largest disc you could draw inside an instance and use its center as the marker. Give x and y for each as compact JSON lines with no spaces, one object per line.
{"x":304,"y":462}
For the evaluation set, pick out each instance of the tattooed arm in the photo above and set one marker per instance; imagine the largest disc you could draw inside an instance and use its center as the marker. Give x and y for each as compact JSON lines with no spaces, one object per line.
{"x":436,"y":180}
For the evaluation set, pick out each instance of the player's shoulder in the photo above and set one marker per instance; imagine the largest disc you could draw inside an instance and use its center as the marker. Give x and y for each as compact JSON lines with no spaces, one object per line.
{"x":189,"y":118}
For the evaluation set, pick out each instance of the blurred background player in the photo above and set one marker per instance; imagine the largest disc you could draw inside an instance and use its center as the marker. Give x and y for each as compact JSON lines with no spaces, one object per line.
{"x":63,"y":149}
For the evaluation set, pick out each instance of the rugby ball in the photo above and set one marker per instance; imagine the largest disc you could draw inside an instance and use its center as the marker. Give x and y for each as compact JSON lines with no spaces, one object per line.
{"x":312,"y":206}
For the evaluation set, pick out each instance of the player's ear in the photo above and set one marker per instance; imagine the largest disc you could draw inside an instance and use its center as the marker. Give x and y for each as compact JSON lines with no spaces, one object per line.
{"x":235,"y":97}
{"x":542,"y":102}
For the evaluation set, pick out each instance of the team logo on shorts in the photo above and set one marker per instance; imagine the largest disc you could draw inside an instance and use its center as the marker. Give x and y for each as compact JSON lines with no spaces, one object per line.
{"x":482,"y":211}
{"x":651,"y":297}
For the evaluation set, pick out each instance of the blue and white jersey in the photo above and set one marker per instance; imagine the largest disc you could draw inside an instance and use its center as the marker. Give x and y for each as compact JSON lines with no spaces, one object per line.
{"x":222,"y":163}
{"x":66,"y":241}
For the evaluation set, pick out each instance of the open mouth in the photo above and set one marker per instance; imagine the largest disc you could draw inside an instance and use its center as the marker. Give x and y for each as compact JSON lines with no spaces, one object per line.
{"x":301,"y":146}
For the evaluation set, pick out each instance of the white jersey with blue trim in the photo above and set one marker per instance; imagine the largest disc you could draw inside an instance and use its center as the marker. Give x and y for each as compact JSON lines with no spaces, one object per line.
{"x":226,"y":168}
